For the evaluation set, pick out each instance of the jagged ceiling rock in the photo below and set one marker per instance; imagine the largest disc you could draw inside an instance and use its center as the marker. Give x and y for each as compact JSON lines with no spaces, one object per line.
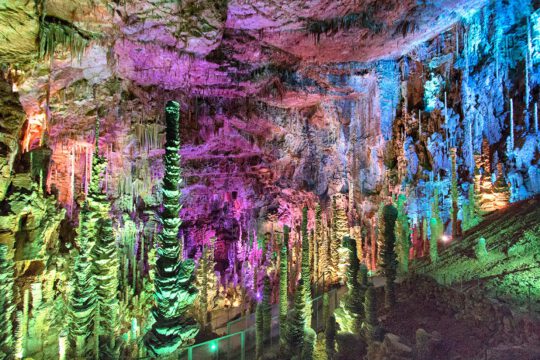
{"x":189,"y":26}
{"x":323,"y":31}
{"x":19,"y":27}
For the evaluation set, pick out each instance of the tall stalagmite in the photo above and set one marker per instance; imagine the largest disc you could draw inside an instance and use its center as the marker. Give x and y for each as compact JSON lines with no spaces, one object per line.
{"x":296,"y":322}
{"x":83,"y":295}
{"x":436,"y":227}
{"x":106,"y":268}
{"x":340,"y":255}
{"x":306,"y":274}
{"x":283,"y":285}
{"x":322,"y":246}
{"x":350,"y":314}
{"x":7,"y":307}
{"x":388,"y":254}
{"x":98,"y":204}
{"x":174,"y":290}
{"x":403,"y":234}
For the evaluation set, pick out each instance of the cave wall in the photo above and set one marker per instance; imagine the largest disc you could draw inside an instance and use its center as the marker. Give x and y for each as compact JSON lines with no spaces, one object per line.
{"x":273,"y":117}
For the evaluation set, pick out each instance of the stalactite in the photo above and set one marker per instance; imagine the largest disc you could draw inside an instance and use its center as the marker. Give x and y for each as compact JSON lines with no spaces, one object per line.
{"x":528,"y":72}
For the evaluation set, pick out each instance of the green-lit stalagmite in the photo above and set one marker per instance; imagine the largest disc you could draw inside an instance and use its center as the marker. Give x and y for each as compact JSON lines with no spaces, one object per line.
{"x":98,"y":204}
{"x":350,"y":314}
{"x":106,"y":268}
{"x":436,"y":227}
{"x":455,"y":225}
{"x":330,"y":337}
{"x":7,"y":307}
{"x":471,"y":212}
{"x":306,"y":273}
{"x":296,"y":322}
{"x":370,"y":328}
{"x":283,"y":285}
{"x":174,"y":290}
{"x":83,"y":295}
{"x":259,"y":330}
{"x":388,"y":254}
{"x":403,"y":234}
{"x":267,"y":310}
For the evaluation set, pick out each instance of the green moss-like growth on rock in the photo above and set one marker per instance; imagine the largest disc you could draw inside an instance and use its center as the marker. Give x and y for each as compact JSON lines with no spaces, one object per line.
{"x":174,"y":290}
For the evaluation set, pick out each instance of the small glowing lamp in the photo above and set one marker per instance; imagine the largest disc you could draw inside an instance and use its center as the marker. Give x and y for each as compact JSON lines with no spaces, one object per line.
{"x":213,"y":346}
{"x":445,"y":238}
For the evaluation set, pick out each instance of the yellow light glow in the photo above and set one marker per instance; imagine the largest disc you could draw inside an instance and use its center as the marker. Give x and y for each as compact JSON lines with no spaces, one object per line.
{"x":34,"y":130}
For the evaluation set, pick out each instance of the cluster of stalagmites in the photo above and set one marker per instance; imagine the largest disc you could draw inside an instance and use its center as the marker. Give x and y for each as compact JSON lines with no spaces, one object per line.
{"x":328,"y":254}
{"x":93,"y":300}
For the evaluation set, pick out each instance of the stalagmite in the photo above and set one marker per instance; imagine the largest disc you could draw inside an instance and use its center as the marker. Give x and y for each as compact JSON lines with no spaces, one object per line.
{"x":306,"y":274}
{"x":7,"y":306}
{"x":511,"y":137}
{"x":536,"y":117}
{"x":174,"y":278}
